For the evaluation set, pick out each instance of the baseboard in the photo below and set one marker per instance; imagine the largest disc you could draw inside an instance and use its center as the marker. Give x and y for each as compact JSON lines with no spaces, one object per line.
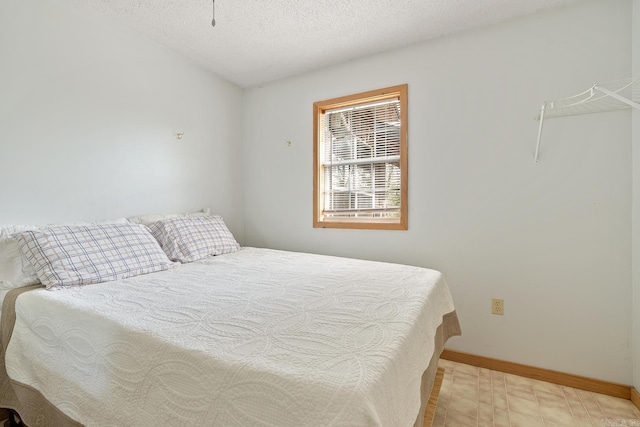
{"x":569,"y":380}
{"x":635,"y":397}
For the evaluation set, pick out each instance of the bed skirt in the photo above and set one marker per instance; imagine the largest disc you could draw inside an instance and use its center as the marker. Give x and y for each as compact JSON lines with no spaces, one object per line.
{"x":449,"y":327}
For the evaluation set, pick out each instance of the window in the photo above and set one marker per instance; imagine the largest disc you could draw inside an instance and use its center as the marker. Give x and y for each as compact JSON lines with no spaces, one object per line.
{"x":360,"y":160}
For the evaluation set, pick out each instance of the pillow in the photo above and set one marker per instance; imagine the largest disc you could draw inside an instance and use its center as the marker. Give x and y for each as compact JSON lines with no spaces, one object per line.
{"x":151,"y":218}
{"x":79,"y":255}
{"x":188,"y":239}
{"x":15,"y":271}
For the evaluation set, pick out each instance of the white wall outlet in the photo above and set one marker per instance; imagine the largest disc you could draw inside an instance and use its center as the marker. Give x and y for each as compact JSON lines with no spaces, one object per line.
{"x":497,"y":306}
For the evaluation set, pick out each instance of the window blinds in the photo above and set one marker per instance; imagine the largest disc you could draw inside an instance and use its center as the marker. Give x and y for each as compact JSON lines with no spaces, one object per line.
{"x":361,"y":160}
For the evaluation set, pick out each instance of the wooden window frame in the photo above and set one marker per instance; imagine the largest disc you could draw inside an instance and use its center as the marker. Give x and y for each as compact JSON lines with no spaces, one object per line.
{"x":319,"y":108}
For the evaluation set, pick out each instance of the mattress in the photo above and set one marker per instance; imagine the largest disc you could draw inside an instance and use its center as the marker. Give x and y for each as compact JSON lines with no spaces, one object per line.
{"x":258,"y":337}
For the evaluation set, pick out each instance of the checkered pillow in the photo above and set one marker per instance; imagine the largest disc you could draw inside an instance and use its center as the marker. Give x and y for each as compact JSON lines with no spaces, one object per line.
{"x":80,"y":255}
{"x":188,"y":239}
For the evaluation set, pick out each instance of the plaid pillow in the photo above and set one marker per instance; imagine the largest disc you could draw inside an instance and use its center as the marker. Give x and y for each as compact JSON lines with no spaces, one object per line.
{"x":15,"y":271}
{"x":79,"y":255}
{"x":188,"y":239}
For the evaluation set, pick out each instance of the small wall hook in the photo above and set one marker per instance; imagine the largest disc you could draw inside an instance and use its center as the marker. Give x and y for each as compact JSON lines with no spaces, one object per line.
{"x":213,"y":13}
{"x":179,"y":135}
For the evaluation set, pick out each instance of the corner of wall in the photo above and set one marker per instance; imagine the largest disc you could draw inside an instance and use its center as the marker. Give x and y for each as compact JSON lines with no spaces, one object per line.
{"x":635,"y":227}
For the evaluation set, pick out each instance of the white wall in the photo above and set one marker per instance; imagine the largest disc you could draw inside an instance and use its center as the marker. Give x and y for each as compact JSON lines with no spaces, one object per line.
{"x":636,"y":201}
{"x":88,"y":112}
{"x":553,"y":239}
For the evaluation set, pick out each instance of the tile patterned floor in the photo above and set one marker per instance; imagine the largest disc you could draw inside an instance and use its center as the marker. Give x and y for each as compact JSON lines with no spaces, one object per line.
{"x":476,"y":397}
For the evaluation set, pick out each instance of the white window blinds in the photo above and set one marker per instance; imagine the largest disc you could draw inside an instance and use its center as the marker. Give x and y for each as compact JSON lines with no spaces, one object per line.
{"x":360,"y":157}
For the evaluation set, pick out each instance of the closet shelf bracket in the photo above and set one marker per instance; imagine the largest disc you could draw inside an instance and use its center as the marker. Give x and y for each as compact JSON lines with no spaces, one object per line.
{"x":616,"y":95}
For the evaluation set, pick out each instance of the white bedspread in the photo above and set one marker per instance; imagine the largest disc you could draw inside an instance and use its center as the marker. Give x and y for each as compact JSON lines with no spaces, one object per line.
{"x":255,"y":338}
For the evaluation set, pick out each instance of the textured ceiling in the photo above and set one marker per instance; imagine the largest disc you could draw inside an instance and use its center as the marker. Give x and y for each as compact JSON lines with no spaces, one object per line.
{"x":257,"y":41}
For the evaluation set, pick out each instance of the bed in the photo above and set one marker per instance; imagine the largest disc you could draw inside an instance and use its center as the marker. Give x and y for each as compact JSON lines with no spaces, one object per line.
{"x":254,"y":337}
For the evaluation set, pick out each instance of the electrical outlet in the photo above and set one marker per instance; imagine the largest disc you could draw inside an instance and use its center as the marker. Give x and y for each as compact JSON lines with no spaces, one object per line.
{"x":497,"y":306}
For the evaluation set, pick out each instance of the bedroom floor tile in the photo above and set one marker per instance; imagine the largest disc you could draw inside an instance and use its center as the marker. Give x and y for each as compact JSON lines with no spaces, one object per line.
{"x":473,"y":396}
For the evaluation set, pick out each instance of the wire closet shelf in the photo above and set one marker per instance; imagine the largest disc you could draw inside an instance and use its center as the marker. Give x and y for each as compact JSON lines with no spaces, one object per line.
{"x":611,"y":96}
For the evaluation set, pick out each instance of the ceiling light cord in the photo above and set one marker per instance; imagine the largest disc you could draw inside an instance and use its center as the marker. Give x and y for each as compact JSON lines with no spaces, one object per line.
{"x":213,"y":12}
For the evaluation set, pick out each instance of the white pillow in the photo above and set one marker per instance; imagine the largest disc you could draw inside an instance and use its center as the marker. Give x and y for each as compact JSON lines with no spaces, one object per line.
{"x":188,"y":239}
{"x":15,"y":271}
{"x":80,"y":255}
{"x":151,"y":218}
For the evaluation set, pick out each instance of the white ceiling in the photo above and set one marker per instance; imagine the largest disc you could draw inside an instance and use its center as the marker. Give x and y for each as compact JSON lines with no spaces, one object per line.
{"x":257,"y":41}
